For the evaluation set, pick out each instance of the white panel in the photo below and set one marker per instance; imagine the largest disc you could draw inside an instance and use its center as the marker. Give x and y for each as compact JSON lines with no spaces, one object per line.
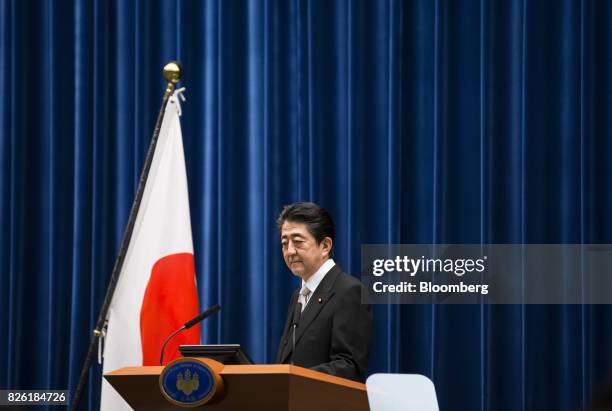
{"x":401,"y":392}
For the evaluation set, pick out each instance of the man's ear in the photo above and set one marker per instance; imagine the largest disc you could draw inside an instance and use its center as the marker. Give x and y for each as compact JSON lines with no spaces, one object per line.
{"x":326,"y":245}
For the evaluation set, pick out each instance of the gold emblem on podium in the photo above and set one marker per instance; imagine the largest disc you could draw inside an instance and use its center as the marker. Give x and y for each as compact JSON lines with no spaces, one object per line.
{"x":187,"y":383}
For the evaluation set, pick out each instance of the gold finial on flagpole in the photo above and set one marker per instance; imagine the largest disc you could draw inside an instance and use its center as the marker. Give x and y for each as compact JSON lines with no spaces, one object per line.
{"x":172,"y":74}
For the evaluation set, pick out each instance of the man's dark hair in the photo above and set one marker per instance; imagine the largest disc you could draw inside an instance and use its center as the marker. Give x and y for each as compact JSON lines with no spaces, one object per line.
{"x":317,"y":220}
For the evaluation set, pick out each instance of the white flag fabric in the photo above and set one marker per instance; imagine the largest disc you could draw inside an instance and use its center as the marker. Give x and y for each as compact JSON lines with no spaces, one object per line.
{"x":156,"y":292}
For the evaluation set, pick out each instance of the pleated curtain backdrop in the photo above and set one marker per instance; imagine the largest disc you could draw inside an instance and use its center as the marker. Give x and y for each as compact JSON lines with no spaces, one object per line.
{"x":422,"y":121}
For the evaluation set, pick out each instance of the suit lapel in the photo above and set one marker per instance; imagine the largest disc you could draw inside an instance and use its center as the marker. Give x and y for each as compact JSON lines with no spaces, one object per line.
{"x":321,"y":296}
{"x":324,"y":293}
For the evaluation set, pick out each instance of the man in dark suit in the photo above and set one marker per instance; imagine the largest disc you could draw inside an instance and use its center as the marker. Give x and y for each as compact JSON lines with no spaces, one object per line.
{"x":326,"y":320}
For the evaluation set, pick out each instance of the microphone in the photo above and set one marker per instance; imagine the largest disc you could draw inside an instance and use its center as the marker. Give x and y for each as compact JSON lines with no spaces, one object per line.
{"x":200,"y":317}
{"x":296,"y":319}
{"x":211,"y":311}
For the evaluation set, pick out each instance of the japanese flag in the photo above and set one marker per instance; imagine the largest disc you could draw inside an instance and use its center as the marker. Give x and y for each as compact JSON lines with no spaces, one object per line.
{"x":156,"y":292}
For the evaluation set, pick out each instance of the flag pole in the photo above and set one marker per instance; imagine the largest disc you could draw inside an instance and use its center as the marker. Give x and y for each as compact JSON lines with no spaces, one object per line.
{"x":172,"y":74}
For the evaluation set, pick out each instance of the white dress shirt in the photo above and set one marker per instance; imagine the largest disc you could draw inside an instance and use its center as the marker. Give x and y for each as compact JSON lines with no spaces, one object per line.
{"x":315,"y":279}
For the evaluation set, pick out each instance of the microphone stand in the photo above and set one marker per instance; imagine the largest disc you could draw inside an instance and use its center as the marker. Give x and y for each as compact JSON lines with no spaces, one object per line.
{"x":161,"y":354}
{"x":200,"y":317}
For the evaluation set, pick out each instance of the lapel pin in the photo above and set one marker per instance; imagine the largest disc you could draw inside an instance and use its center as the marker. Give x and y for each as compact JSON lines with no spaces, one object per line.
{"x":320,"y":300}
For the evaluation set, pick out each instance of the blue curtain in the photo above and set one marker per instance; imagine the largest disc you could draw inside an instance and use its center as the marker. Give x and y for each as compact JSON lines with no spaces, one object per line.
{"x":424,"y":121}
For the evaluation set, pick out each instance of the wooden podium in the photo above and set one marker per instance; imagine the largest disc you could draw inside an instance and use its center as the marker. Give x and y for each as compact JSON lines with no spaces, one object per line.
{"x":250,"y":387}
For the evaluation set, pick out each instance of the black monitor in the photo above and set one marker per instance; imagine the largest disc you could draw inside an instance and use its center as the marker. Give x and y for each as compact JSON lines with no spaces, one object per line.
{"x":229,"y":354}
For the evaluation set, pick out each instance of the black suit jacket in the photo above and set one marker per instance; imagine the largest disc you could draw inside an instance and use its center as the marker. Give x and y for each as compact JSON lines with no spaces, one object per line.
{"x":334,"y":331}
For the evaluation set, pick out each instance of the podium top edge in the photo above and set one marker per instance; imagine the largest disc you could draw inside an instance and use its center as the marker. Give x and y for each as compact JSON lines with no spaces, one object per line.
{"x":291,"y":369}
{"x":249,"y":369}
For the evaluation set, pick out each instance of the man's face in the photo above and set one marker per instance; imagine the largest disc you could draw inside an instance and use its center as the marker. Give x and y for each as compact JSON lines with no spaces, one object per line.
{"x":301,"y":252}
